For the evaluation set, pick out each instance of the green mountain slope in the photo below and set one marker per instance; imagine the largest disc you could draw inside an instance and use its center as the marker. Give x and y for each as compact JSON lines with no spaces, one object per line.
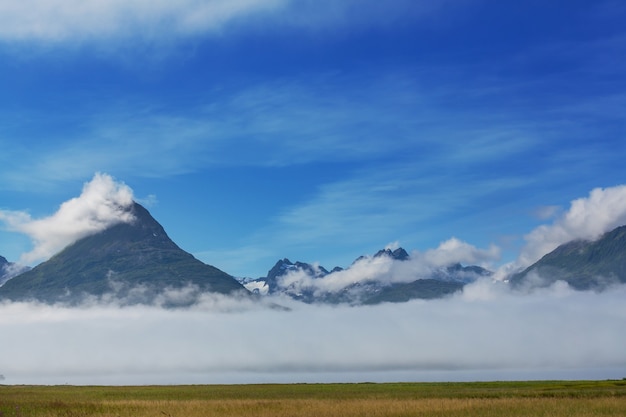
{"x":582,"y":264}
{"x":135,"y":261}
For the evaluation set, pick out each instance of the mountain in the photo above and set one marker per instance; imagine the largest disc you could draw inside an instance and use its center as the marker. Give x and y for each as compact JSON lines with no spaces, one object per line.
{"x":582,"y":264}
{"x":284,"y":266}
{"x":397,"y":254}
{"x":135,"y":262}
{"x":9,"y":269}
{"x":305,"y":282}
{"x":439,"y":283}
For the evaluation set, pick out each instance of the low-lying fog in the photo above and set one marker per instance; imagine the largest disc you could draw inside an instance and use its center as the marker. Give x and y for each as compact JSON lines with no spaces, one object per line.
{"x":486,"y":332}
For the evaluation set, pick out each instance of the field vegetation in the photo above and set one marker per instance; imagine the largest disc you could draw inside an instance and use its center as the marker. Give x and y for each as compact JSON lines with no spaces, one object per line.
{"x":545,"y":398}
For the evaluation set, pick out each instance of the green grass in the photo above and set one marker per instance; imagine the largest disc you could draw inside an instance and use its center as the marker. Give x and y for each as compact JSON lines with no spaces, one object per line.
{"x":542,"y":398}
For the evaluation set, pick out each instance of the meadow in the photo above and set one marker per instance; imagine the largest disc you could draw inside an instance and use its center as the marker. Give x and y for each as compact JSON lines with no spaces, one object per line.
{"x":536,"y":398}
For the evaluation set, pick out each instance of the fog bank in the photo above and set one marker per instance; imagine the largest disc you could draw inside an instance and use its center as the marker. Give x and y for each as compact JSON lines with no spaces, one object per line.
{"x":484,"y":333}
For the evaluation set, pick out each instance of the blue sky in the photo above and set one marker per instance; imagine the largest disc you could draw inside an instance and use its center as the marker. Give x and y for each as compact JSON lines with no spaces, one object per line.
{"x":319,"y":131}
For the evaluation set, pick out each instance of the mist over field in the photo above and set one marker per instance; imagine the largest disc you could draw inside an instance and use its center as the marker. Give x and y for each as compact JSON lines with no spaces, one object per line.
{"x":486,"y":332}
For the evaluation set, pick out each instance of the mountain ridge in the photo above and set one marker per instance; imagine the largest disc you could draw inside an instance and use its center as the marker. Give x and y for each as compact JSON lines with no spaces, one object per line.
{"x":137,"y":261}
{"x":439,"y":283}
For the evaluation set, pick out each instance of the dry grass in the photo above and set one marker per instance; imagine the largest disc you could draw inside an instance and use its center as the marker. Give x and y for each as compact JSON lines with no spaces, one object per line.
{"x":554,"y":399}
{"x":376,"y":407}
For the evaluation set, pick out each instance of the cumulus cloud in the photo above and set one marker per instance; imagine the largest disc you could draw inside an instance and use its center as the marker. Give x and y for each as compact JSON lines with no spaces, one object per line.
{"x":454,"y":250}
{"x":102,"y":203}
{"x":482,"y":332}
{"x":587,"y":218}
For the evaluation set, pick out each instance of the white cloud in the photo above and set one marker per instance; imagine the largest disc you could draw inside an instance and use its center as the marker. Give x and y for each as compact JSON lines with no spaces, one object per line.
{"x":366,"y":269}
{"x":484,"y":330}
{"x":74,"y":20}
{"x":102,"y":203}
{"x":587,"y":218}
{"x":454,"y":250}
{"x":68,"y":20}
{"x":546,"y":212}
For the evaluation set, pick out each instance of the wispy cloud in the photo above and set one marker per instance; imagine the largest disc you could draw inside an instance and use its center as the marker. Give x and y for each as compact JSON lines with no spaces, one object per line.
{"x":56,"y":21}
{"x":484,"y":330}
{"x":358,"y":13}
{"x":238,"y":261}
{"x":329,"y":118}
{"x":360,"y":213}
{"x":68,"y":21}
{"x":398,"y":197}
{"x":546,"y":212}
{"x":311,"y":118}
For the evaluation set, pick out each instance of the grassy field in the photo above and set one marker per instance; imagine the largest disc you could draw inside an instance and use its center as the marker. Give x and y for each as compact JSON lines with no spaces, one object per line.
{"x":545,"y":398}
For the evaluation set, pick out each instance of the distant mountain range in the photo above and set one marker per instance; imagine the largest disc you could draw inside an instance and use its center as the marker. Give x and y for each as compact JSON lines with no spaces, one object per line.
{"x":138,"y":263}
{"x":304,"y":282}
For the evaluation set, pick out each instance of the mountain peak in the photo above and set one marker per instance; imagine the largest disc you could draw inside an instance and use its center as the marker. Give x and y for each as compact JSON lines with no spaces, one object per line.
{"x":398,"y":254}
{"x":121,"y":258}
{"x":284,"y":266}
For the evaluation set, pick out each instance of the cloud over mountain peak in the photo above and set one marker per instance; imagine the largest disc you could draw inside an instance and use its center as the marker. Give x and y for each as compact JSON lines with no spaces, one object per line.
{"x":102,"y":203}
